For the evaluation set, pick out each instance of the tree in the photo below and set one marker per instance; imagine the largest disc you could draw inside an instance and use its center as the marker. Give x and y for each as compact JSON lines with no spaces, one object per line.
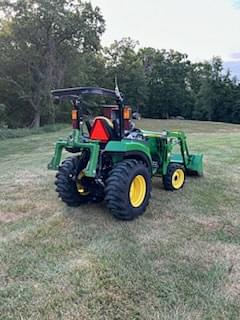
{"x":166,"y":73}
{"x":214,"y":99}
{"x":38,"y":41}
{"x":123,"y":61}
{"x":46,"y":44}
{"x":235,"y":116}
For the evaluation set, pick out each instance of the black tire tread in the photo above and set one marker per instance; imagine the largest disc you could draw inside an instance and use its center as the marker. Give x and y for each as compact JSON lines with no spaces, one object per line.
{"x":66,"y":186}
{"x":117,"y":188}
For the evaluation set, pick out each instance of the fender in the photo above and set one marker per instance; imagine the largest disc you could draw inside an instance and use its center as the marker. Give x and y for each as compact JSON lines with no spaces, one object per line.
{"x":130,"y":149}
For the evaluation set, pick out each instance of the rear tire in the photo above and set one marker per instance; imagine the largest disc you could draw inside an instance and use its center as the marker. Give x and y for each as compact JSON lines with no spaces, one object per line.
{"x":66,"y":182}
{"x":128,"y":189}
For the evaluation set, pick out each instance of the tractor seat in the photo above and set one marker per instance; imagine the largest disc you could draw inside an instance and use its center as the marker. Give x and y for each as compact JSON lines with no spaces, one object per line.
{"x":102,"y":129}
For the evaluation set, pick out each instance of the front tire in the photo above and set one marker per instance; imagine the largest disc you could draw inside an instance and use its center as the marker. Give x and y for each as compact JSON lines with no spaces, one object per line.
{"x":175,"y":177}
{"x":128,"y":189}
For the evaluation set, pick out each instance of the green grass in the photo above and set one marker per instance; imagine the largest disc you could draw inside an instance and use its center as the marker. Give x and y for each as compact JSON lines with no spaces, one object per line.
{"x":180,"y":260}
{"x":24,"y":132}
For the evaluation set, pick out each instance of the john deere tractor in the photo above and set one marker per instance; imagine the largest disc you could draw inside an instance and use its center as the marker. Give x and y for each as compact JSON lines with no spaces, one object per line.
{"x":114,"y":161}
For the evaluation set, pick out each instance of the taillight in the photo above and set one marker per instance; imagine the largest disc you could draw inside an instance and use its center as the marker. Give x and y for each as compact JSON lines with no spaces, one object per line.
{"x":127,"y":113}
{"x":75,"y":123}
{"x":74,"y":114}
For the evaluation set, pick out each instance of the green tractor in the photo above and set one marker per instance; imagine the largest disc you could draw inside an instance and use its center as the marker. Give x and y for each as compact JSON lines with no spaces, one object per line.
{"x":114,"y":161}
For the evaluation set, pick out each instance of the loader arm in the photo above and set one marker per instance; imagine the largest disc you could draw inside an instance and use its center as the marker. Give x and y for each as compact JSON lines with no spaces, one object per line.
{"x":192,"y":162}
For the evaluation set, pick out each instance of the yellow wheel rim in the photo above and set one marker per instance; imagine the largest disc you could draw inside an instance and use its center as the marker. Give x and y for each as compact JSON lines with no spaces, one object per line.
{"x":178,"y":178}
{"x":80,"y":187}
{"x":137,"y":191}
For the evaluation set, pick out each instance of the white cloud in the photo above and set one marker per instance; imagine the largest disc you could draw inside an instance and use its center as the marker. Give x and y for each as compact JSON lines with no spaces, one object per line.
{"x":200,"y":28}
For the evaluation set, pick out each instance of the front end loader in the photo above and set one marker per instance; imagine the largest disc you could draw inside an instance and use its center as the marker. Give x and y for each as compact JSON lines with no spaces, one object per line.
{"x":112,"y":160}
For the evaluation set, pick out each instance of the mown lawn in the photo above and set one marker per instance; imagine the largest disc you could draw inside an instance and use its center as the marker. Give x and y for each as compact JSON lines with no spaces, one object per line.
{"x":180,"y":260}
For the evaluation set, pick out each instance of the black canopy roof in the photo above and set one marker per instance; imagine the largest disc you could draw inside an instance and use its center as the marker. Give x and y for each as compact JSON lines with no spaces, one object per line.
{"x":75,"y":92}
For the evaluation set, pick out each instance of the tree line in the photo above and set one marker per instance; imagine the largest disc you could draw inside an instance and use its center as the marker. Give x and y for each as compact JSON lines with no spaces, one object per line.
{"x":46,"y":44}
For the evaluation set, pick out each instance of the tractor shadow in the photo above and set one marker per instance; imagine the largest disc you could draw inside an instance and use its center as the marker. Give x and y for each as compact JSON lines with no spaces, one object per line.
{"x":99,"y":214}
{"x":89,"y":213}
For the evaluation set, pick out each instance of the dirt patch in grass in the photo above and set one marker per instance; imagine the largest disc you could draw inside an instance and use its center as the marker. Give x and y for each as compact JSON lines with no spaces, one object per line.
{"x":11,"y":216}
{"x":208,"y":223}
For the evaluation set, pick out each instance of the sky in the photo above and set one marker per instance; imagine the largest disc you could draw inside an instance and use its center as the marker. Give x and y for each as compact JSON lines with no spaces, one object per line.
{"x":200,"y":28}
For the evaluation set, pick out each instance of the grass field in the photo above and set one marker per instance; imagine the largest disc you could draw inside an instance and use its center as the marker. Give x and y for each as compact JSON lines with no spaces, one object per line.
{"x":180,"y":260}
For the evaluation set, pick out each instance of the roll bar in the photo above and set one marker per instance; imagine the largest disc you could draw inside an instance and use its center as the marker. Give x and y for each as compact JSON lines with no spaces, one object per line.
{"x":75,"y":95}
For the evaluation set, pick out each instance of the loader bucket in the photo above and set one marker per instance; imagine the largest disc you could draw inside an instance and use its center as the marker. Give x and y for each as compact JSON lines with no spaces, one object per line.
{"x":195,"y":165}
